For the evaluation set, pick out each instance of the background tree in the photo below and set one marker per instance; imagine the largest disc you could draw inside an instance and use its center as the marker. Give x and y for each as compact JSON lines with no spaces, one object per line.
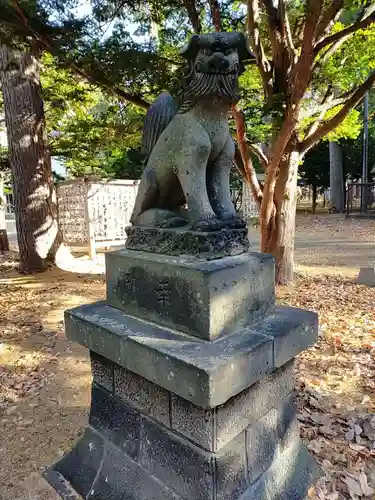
{"x":314,"y":64}
{"x":34,"y":196}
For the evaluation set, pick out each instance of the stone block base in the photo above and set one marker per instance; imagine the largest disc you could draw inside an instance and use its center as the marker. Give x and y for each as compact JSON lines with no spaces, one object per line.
{"x":366,"y":276}
{"x":146,"y":443}
{"x":192,"y":395}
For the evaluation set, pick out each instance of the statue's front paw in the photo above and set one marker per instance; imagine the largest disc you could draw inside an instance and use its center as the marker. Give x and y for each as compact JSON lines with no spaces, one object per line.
{"x":207,"y":225}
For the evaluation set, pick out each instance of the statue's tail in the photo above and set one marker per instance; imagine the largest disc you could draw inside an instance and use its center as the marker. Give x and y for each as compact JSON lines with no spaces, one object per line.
{"x":158,"y":116}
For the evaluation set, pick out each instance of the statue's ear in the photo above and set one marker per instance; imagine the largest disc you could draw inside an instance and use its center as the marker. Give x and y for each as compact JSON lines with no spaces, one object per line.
{"x":191,"y":49}
{"x":243,"y":51}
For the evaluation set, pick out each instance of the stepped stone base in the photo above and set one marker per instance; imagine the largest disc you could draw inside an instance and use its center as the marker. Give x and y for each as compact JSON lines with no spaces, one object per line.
{"x":144,"y":442}
{"x":192,"y":395}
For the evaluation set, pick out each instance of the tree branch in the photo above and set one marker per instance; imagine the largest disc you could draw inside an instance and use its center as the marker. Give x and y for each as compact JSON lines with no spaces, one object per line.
{"x":242,"y":156}
{"x":215,"y":14}
{"x":328,"y":17}
{"x":254,"y":148}
{"x":285,"y":26}
{"x":302,"y":69}
{"x":193,"y":15}
{"x":332,"y":123}
{"x":257,"y":46}
{"x":282,"y":48}
{"x":329,"y":103}
{"x":134,"y":99}
{"x":367,"y":18}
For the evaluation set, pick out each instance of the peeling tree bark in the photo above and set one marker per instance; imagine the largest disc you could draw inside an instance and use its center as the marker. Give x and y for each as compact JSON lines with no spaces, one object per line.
{"x":33,"y":189}
{"x":280,"y":231}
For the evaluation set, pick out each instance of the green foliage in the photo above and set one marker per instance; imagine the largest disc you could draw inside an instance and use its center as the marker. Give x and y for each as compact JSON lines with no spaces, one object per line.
{"x":89,"y":131}
{"x":349,"y":128}
{"x":130,"y":51}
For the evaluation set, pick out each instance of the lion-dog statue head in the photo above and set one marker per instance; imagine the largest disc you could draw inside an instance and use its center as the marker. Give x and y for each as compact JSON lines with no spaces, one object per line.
{"x":215,"y":61}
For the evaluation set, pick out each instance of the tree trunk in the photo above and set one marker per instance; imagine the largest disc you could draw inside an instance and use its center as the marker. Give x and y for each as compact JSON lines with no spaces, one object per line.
{"x":336,"y":178}
{"x":278,"y":237}
{"x":2,"y":202}
{"x":314,"y":197}
{"x":33,"y":188}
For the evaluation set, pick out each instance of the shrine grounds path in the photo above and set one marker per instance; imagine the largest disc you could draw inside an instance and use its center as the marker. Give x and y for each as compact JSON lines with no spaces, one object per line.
{"x":45,"y":380}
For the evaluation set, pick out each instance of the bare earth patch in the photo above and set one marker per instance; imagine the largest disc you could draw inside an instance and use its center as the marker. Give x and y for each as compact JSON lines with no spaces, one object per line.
{"x":45,"y":380}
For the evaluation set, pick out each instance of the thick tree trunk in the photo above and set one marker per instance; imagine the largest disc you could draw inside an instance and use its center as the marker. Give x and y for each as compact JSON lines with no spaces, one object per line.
{"x":2,"y":202}
{"x":336,"y":187}
{"x":314,"y":197}
{"x":33,"y":188}
{"x":278,"y":237}
{"x":4,"y":242}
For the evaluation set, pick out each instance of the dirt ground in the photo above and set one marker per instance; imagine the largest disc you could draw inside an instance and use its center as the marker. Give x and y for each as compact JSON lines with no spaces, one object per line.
{"x":45,"y":380}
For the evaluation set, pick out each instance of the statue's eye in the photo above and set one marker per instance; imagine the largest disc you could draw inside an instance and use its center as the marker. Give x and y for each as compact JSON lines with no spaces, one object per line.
{"x":227,"y":52}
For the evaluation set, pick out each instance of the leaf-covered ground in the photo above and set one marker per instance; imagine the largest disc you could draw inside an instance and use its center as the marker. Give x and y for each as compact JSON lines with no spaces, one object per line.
{"x":45,"y":380}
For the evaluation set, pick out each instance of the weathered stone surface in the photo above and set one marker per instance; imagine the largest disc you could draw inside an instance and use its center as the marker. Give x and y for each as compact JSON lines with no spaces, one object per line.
{"x":231,"y":473}
{"x":288,"y":478}
{"x":205,"y":373}
{"x":121,"y":478}
{"x":212,"y":245}
{"x":262,"y":444}
{"x":116,"y":421}
{"x":102,"y":370}
{"x":79,"y":467}
{"x":176,"y":462}
{"x":99,"y":471}
{"x":212,"y":429}
{"x":137,"y":458}
{"x":205,"y":299}
{"x":288,"y":424}
{"x":191,"y":151}
{"x":293,"y":331}
{"x":143,"y":394}
{"x":238,"y":412}
{"x":366,"y":276}
{"x":268,"y":436}
{"x":194,"y":422}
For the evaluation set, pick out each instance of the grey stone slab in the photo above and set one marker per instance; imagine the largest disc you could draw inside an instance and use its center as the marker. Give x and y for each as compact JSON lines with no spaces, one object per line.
{"x":97,"y":470}
{"x":288,"y":478}
{"x":116,"y":421}
{"x":194,"y":422}
{"x":231,"y":469}
{"x":262,"y":444}
{"x":102,"y":371}
{"x":289,"y":431}
{"x":292,"y":329}
{"x":121,"y":478}
{"x":205,"y":373}
{"x":271,"y":435}
{"x":143,"y":394}
{"x":205,"y":299}
{"x":366,"y":276}
{"x":79,"y":467}
{"x":212,"y":429}
{"x":238,"y":412}
{"x":185,"y":468}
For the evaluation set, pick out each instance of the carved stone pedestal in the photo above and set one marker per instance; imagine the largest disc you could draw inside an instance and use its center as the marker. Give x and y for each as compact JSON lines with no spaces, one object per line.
{"x":192,"y":395}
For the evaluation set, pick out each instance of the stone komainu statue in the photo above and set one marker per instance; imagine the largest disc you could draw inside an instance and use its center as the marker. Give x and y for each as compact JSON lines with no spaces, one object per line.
{"x":188,"y":144}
